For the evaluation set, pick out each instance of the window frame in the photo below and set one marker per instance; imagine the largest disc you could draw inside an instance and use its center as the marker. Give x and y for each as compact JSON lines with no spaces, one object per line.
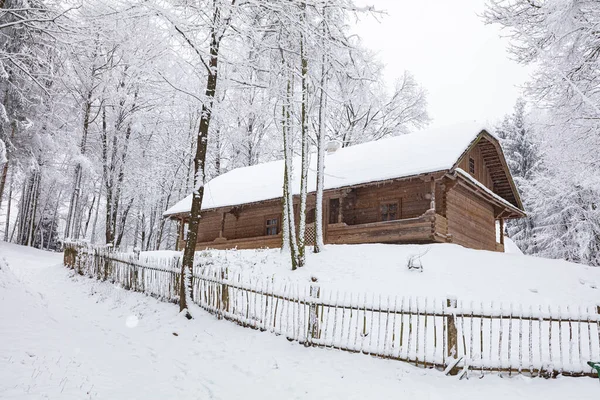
{"x":471,"y":165}
{"x":268,"y":226}
{"x":397,"y":203}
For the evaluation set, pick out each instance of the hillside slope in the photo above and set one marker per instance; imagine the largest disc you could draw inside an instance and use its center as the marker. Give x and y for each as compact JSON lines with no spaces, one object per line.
{"x":448,"y":270}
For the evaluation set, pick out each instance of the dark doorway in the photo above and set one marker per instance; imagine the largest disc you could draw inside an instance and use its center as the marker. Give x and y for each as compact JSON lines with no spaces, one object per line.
{"x":334,"y":210}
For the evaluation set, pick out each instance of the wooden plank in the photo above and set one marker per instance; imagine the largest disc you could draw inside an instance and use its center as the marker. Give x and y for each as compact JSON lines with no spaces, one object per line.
{"x":470,"y":220}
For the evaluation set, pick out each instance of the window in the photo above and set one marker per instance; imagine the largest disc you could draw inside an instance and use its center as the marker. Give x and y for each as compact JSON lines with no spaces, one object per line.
{"x":310,"y":216}
{"x":272,"y":226}
{"x":334,"y":210}
{"x":389,"y":211}
{"x":471,"y":165}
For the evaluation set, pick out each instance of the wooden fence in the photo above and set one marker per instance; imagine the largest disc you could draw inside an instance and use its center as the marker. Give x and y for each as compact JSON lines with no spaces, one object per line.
{"x":440,"y":333}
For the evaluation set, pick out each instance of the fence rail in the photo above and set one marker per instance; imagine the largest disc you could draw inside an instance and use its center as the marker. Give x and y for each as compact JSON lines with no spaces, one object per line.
{"x":427,"y":332}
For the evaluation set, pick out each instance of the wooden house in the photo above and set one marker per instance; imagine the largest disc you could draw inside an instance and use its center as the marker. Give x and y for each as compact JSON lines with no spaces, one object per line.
{"x":439,"y":185}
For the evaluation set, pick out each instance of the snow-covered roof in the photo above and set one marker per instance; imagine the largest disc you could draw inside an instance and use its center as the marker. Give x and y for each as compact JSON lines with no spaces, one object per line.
{"x":429,"y":150}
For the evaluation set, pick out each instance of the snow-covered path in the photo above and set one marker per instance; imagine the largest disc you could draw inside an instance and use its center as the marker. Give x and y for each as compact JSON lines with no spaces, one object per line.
{"x":67,"y":337}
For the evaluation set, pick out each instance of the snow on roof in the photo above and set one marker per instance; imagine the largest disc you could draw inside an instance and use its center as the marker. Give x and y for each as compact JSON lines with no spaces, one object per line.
{"x":429,"y":150}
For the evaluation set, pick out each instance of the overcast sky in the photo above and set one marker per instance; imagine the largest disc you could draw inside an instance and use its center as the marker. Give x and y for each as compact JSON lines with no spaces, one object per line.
{"x":462,"y":62}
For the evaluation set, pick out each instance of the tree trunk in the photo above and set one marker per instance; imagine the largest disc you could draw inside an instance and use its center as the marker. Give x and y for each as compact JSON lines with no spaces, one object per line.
{"x":305,"y":150}
{"x":74,"y":203}
{"x":122,"y":223}
{"x":95,"y":223}
{"x":319,"y":242}
{"x":3,"y":178}
{"x":199,"y":168}
{"x":36,"y":188}
{"x":109,"y":235}
{"x":7,"y":224}
{"x":25,"y":210}
{"x":4,"y":173}
{"x":288,"y":201}
{"x":89,"y":217}
{"x":54,"y":215}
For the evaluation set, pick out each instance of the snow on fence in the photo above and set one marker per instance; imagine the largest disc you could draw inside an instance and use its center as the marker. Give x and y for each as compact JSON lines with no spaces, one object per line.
{"x":427,"y":332}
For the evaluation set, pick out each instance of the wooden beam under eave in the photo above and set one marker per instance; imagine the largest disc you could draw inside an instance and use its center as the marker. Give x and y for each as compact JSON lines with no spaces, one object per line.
{"x":487,"y":196}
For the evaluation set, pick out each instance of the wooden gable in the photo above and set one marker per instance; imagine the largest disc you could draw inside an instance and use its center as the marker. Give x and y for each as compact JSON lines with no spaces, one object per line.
{"x":490,"y":167}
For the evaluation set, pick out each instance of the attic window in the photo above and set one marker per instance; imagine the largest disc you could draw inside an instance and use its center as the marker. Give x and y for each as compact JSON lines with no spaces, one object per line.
{"x":272,"y":226}
{"x":389,"y":211}
{"x":471,"y":165}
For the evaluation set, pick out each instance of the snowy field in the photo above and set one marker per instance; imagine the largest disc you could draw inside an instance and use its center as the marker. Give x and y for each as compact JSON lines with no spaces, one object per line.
{"x":448,"y":270}
{"x":68,"y":337}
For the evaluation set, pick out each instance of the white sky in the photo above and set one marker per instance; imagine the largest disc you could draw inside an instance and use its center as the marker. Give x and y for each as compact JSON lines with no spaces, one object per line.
{"x":462,"y":62}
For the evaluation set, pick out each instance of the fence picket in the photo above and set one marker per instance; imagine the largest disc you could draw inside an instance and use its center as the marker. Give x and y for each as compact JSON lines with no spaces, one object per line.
{"x":560,"y":344}
{"x":408,"y":345}
{"x":393,"y":338}
{"x":520,"y":338}
{"x":350,"y":324}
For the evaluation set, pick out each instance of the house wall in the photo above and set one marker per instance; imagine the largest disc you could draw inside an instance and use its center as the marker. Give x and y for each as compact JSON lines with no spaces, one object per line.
{"x":250,"y":221}
{"x":471,"y":220}
{"x":362,"y":205}
{"x":245,"y":226}
{"x":482,"y":173}
{"x":210,"y":224}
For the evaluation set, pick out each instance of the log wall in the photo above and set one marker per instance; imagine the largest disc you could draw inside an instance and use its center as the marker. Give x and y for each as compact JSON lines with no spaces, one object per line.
{"x":471,"y":220}
{"x":250,"y":221}
{"x":482,"y":173}
{"x":363,"y":204}
{"x":468,"y":219}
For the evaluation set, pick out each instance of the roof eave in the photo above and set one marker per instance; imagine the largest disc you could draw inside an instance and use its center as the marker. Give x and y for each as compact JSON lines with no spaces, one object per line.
{"x":437,"y":174}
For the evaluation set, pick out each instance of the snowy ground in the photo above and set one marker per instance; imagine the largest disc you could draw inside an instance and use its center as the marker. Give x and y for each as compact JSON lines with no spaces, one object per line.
{"x":67,"y":337}
{"x":448,"y":270}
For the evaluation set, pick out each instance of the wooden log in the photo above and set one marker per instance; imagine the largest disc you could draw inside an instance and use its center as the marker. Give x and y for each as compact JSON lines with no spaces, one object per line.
{"x":452,"y":347}
{"x":432,"y":191}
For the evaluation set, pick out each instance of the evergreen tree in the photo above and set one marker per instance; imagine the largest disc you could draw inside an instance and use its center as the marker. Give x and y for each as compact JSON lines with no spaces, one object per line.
{"x":517,"y":137}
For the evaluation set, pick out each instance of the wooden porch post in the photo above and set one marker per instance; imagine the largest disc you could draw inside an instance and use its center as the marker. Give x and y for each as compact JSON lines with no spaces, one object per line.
{"x":432,"y":205}
{"x":502,"y":231}
{"x":222,"y":225}
{"x":179,"y":233}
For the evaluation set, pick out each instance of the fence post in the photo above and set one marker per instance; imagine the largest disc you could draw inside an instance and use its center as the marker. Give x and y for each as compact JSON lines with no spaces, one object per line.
{"x":176,"y":292}
{"x":313,"y":321}
{"x":224,"y":292}
{"x":69,"y":255}
{"x":106,"y":264}
{"x":452,"y":348}
{"x":78,"y":261}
